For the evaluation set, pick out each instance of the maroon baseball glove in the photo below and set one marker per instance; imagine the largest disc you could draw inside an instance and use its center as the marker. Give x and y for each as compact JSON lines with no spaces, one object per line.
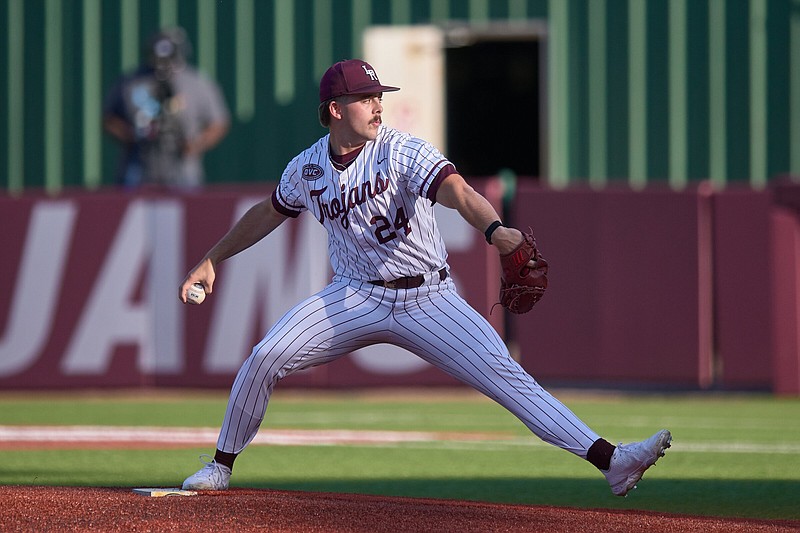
{"x":520,"y":285}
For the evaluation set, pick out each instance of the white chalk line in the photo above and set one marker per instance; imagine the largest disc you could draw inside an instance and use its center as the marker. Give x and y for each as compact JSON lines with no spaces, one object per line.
{"x":177,"y":435}
{"x":333,"y":437}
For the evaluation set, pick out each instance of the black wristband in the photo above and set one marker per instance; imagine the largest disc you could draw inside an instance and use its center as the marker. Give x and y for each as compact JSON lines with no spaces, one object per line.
{"x":493,"y":226}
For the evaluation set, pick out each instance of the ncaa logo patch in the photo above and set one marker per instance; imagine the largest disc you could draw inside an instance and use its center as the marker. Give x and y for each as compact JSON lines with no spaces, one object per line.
{"x":311,"y":172}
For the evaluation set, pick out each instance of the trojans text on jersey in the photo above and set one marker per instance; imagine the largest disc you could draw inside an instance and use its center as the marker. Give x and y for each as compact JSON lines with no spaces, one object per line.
{"x":333,"y":207}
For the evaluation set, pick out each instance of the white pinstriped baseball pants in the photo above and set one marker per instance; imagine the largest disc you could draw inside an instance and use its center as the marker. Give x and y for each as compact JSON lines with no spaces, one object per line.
{"x":432,"y":321}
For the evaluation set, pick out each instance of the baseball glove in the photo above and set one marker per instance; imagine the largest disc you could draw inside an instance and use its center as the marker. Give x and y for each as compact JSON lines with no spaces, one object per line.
{"x":520,"y":285}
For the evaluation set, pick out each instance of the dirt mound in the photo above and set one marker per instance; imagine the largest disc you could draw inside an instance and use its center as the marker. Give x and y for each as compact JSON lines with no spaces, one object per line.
{"x":244,"y":510}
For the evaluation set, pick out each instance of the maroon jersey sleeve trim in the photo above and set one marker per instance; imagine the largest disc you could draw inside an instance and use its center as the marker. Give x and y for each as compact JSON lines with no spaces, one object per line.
{"x":279,"y":207}
{"x":445,"y":171}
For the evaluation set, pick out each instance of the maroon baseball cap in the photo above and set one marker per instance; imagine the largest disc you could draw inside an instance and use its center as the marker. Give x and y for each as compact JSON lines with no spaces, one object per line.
{"x":350,"y":77}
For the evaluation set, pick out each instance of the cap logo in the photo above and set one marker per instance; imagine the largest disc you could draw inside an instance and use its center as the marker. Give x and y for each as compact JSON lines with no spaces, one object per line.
{"x":345,"y":78}
{"x":370,"y":73}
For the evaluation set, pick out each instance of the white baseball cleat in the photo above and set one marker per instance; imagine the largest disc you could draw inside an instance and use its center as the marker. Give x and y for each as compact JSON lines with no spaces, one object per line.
{"x":213,"y":476}
{"x":630,"y":461}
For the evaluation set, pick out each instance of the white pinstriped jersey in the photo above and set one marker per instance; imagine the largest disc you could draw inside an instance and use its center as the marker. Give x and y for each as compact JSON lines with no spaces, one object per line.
{"x":378,"y":211}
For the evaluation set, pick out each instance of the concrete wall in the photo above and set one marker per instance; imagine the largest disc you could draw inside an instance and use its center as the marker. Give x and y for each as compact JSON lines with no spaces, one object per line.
{"x":660,"y":289}
{"x":653,"y":287}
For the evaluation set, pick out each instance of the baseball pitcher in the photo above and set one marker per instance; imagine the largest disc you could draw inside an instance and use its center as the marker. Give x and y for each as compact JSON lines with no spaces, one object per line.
{"x":373,"y":189}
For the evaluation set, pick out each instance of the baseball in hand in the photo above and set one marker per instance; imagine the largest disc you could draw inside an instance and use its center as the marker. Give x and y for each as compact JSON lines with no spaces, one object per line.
{"x":196,"y":294}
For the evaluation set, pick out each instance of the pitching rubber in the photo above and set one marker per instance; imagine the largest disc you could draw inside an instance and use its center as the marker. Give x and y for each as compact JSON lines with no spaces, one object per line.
{"x":158,"y":492}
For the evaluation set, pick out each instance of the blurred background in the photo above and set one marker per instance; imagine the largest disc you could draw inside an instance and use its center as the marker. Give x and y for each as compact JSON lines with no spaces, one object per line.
{"x":653,"y":145}
{"x":631,"y":91}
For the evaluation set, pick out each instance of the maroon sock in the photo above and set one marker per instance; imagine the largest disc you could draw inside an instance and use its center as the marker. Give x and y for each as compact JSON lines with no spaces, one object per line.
{"x":225,"y":458}
{"x":600,"y":453}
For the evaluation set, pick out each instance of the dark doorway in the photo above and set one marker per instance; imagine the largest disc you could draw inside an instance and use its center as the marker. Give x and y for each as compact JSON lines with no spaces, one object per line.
{"x":493,"y":106}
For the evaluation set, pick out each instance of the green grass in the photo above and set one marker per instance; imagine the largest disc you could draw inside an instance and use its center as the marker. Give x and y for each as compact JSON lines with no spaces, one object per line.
{"x":732,"y":455}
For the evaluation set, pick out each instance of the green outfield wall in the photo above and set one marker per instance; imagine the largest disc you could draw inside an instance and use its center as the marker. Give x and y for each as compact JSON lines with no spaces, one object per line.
{"x":636,"y":91}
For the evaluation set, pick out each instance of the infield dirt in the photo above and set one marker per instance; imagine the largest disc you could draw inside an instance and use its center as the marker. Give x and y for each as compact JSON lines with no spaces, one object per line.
{"x":36,"y":508}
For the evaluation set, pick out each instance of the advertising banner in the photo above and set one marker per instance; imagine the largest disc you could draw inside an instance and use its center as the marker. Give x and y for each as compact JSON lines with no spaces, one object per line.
{"x":89,"y":286}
